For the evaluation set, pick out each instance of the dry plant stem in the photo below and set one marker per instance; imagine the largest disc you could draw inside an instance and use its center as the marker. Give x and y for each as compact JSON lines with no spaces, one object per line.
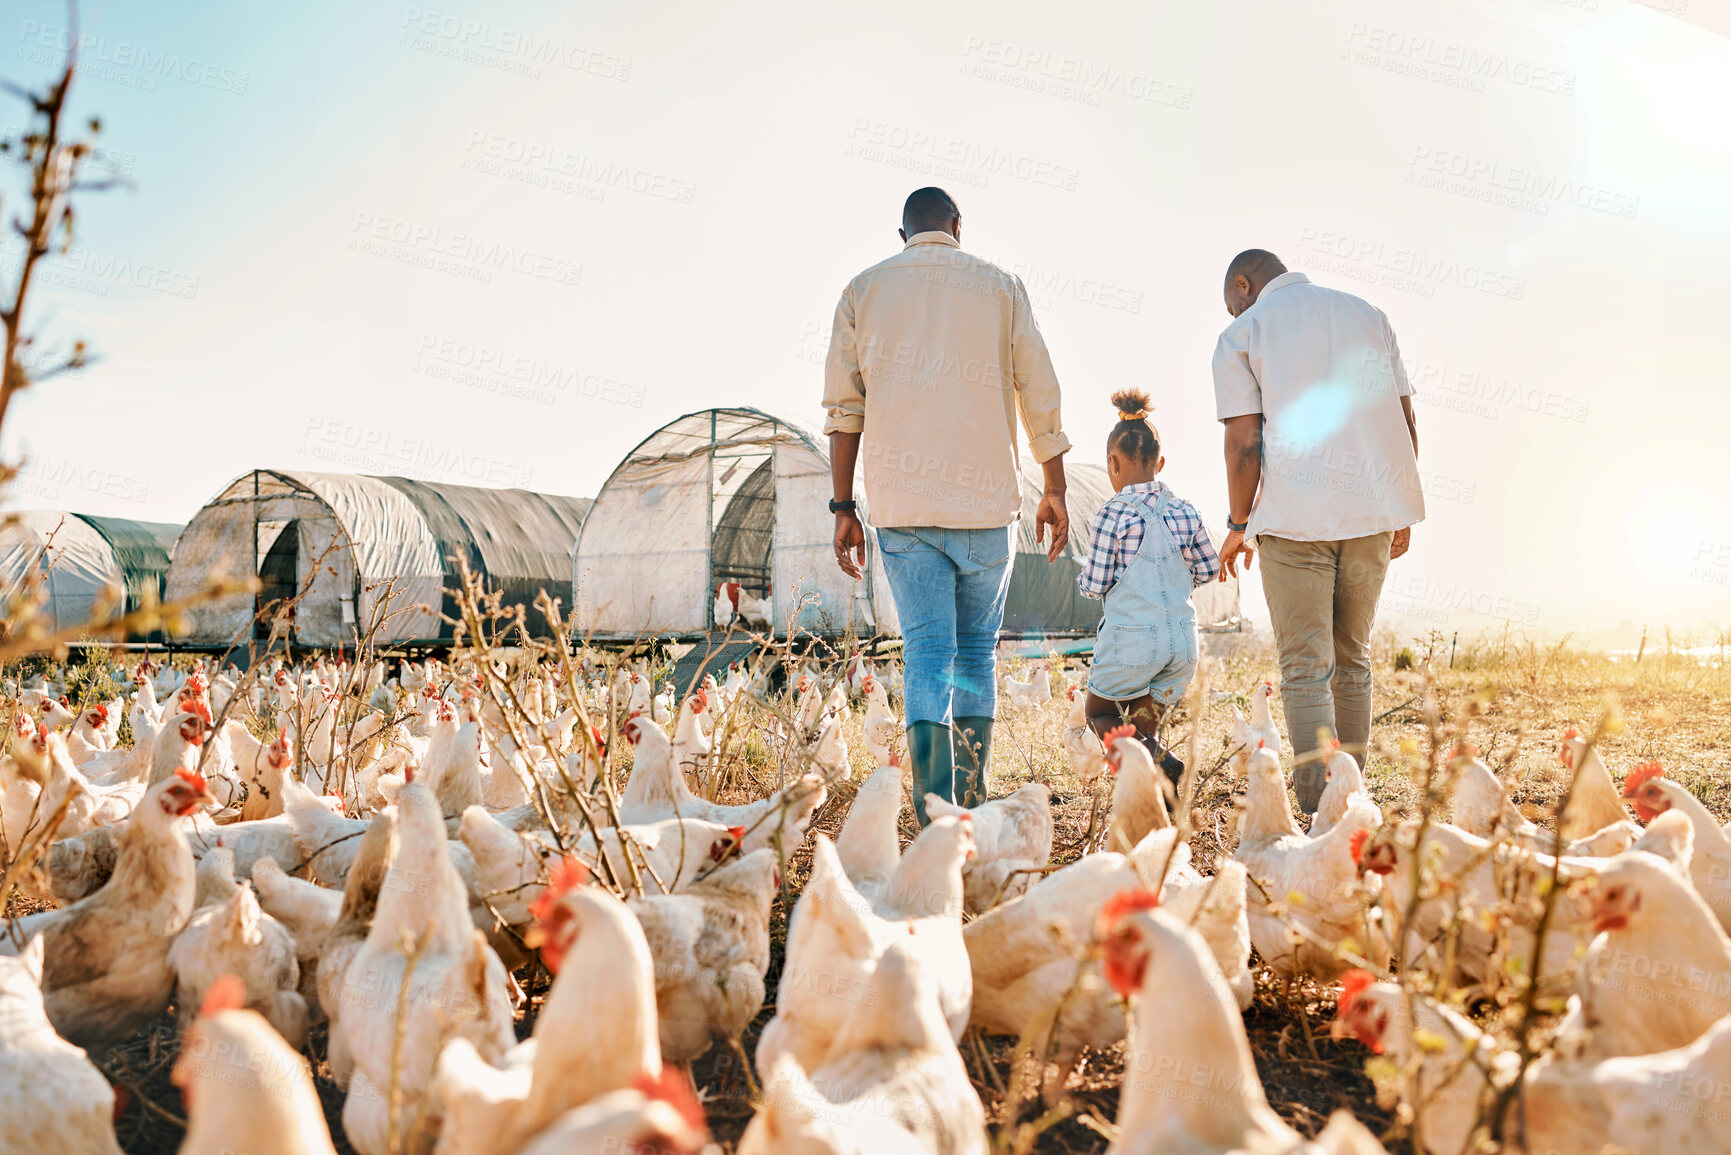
{"x":394,"y":1093}
{"x":1514,"y":1093}
{"x":27,"y":855}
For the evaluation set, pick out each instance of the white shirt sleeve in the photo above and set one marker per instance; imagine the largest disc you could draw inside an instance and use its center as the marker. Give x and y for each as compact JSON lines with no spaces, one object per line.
{"x":1236,"y":390}
{"x":1402,"y":386}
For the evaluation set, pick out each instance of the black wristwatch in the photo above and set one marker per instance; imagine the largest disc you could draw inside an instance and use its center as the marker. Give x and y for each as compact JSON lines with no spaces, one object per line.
{"x":1237,"y":526}
{"x":842,"y":506}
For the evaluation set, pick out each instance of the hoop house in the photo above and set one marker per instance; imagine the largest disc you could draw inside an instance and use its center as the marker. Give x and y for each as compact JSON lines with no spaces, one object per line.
{"x":343,"y":537}
{"x":720,"y":495}
{"x":742,"y":495}
{"x":81,"y":556}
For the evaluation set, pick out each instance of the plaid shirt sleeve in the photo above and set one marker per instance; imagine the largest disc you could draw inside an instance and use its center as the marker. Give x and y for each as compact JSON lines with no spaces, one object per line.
{"x":1193,"y":541}
{"x":1117,"y":535}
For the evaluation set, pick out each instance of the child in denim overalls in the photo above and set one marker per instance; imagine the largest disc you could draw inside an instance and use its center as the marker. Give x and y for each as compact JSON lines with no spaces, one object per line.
{"x":1149,"y":549}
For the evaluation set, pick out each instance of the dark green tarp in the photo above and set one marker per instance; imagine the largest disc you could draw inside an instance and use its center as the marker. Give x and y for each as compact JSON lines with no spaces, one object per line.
{"x":521,"y":541}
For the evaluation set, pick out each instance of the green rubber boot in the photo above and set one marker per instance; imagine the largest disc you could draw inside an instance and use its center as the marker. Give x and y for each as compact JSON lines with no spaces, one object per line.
{"x":934,"y":772}
{"x":972,"y":757}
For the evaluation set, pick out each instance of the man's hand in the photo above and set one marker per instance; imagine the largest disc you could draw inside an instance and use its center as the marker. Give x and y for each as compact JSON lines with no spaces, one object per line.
{"x":1402,"y":539}
{"x":850,"y":544}
{"x":1230,"y":550}
{"x":1052,"y":513}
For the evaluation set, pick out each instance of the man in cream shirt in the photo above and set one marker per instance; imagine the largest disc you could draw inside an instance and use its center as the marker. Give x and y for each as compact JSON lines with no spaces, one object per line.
{"x":933,"y":355}
{"x":1322,"y":473}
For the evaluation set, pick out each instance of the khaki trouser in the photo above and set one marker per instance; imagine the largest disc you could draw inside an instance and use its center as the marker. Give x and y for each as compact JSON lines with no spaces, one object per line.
{"x":1322,"y":598}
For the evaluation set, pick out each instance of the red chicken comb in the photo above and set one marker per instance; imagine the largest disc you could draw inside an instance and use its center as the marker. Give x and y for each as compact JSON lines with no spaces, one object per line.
{"x":1353,"y":984}
{"x":567,"y":873}
{"x":1466,"y":750}
{"x":227,"y":993}
{"x":1356,"y":844}
{"x":1632,"y":783}
{"x":701,"y":702}
{"x":737,"y":833}
{"x":673,"y":1088}
{"x":191,"y":777}
{"x":1125,"y":902}
{"x":1110,"y":738}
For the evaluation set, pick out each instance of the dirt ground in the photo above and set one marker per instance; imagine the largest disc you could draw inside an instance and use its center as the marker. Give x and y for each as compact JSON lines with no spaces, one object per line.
{"x":1513,"y":700}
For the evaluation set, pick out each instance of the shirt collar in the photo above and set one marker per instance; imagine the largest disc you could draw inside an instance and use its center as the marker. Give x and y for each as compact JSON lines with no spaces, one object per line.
{"x":934,"y":237}
{"x":1149,"y":488}
{"x":1282,"y":281}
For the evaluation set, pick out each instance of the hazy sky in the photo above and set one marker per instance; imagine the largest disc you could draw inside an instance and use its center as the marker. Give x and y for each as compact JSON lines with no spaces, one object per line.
{"x":502,"y":242}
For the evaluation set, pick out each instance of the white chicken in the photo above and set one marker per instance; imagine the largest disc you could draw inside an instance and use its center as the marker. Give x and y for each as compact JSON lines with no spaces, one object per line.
{"x":1033,"y":693}
{"x":710,"y":942}
{"x":1659,"y":973}
{"x":1030,"y":960}
{"x":423,"y":908}
{"x":1087,"y":754}
{"x":894,"y":1082}
{"x":691,"y":745}
{"x":656,"y":791}
{"x":52,"y":1097}
{"x":1314,"y":882}
{"x":107,"y":972}
{"x":234,"y":937}
{"x":1710,"y":856}
{"x":1190,"y":1081}
{"x":596,"y":1033}
{"x":1012,"y":843}
{"x":835,"y":939}
{"x":1596,"y":802}
{"x":1343,"y":791}
{"x":881,"y":726}
{"x":1245,"y":737}
{"x":244,"y":1088}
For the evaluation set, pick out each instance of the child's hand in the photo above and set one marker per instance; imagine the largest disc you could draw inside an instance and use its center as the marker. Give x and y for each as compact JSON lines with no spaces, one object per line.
{"x":1230,"y":550}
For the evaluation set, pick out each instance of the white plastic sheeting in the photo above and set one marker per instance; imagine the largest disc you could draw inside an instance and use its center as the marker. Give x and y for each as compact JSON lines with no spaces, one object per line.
{"x":358,"y":530}
{"x":642,"y":560}
{"x":78,"y":564}
{"x":645,"y":560}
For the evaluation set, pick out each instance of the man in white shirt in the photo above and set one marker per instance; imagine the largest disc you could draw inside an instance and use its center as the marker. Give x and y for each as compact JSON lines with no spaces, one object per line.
{"x":1322,"y":474}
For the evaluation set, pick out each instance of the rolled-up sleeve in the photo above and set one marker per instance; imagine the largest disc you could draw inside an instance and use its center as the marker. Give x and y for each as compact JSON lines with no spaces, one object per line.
{"x":1036,"y":383}
{"x":1402,"y":386}
{"x":843,"y":384}
{"x":1236,"y":390}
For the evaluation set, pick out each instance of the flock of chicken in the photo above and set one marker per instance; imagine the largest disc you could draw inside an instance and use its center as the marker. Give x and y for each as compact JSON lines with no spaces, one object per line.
{"x":394,"y":853}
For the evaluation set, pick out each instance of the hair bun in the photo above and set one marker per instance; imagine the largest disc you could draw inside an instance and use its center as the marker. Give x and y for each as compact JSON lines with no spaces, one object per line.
{"x":1132,"y":404}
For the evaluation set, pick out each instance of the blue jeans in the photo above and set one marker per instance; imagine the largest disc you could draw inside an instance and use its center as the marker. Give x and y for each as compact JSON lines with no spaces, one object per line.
{"x":949,"y":587}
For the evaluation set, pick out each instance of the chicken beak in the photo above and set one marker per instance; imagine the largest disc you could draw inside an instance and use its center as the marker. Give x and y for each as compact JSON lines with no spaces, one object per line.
{"x":1338,"y":1030}
{"x":535,"y":936}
